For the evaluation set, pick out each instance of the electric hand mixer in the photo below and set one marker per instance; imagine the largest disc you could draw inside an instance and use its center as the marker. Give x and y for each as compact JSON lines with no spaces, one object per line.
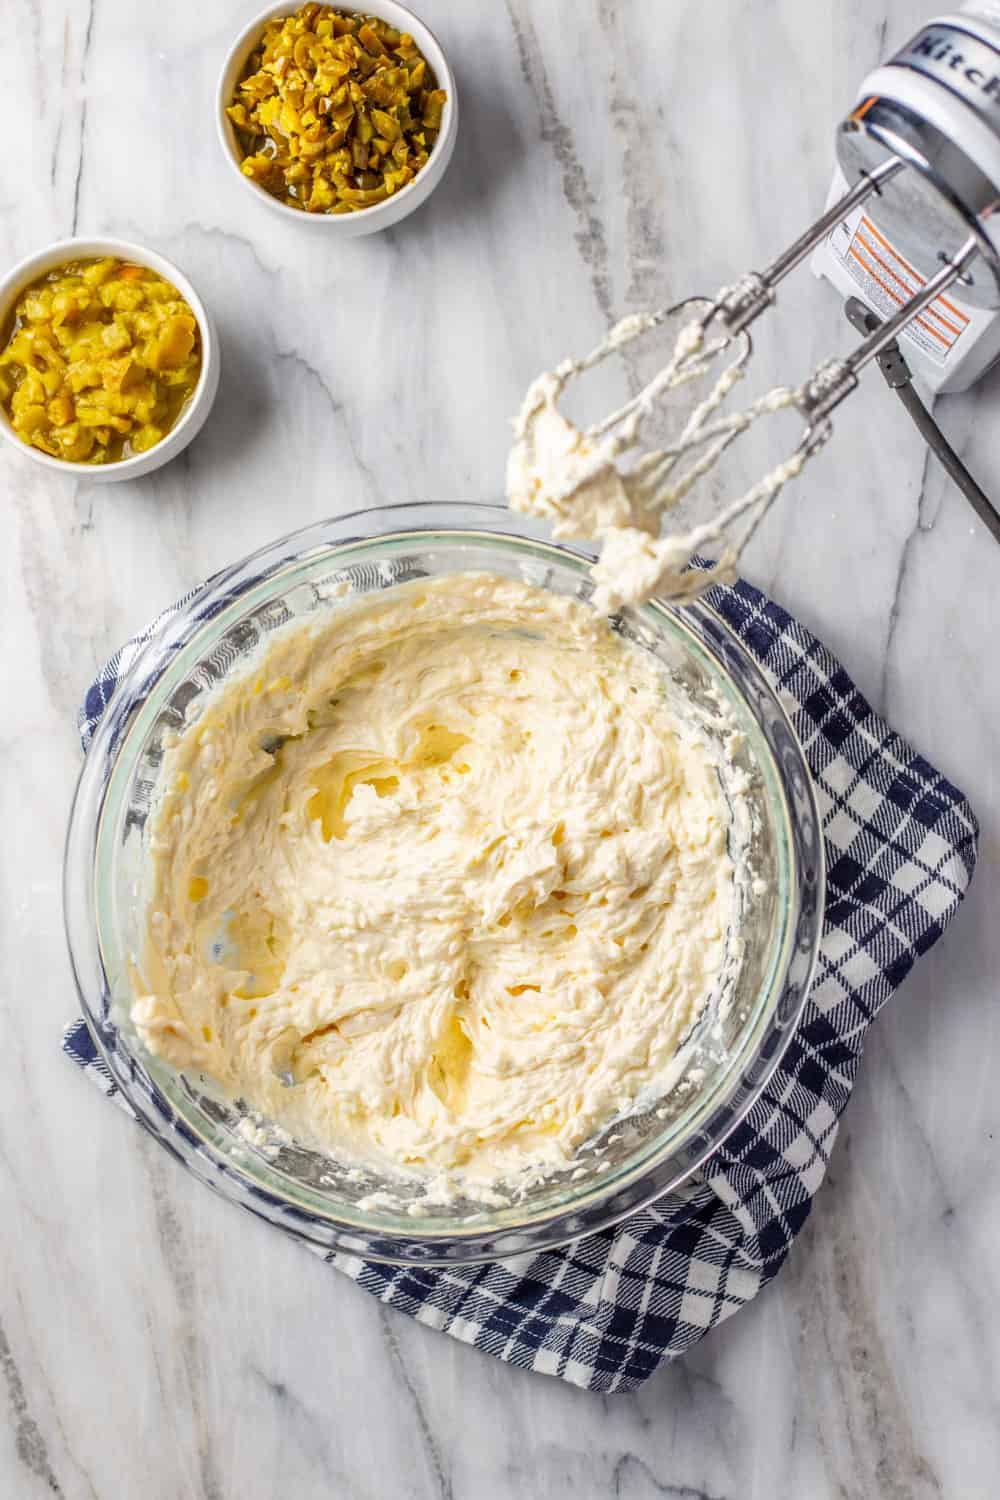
{"x":922,"y":148}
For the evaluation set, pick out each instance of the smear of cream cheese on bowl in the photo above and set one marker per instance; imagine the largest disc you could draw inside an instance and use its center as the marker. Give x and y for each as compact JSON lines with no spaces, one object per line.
{"x":442,"y":885}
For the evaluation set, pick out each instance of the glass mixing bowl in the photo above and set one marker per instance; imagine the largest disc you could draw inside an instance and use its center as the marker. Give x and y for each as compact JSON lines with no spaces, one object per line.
{"x":731,"y":1052}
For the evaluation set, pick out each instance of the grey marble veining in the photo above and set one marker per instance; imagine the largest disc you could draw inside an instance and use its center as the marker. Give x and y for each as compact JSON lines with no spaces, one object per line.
{"x":155,"y":1342}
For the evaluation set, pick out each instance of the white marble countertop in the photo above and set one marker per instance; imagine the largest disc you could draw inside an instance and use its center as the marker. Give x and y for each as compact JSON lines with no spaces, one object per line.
{"x":156,"y":1342}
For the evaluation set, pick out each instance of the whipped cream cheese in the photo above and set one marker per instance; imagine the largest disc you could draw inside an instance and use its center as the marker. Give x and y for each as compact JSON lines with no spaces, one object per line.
{"x":441,"y":885}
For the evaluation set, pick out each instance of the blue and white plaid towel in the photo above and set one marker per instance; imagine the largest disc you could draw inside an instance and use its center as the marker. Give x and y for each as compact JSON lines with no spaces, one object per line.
{"x":604,"y":1311}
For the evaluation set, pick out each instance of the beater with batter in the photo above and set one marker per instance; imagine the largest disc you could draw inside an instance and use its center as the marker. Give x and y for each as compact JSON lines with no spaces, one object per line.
{"x":924,"y":139}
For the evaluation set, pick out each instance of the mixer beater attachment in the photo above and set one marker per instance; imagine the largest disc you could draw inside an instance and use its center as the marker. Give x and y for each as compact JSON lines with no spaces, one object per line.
{"x":582,"y":480}
{"x":924,"y":139}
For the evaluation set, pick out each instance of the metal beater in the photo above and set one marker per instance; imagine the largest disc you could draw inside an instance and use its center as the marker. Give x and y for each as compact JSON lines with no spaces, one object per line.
{"x":923,"y":142}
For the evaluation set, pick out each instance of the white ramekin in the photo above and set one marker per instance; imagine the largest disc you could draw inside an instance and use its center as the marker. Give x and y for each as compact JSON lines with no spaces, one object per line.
{"x":380,"y":215}
{"x":192,"y":418}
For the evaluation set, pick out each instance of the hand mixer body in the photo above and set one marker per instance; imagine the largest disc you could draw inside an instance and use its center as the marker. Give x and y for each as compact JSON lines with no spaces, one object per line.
{"x":934,"y":106}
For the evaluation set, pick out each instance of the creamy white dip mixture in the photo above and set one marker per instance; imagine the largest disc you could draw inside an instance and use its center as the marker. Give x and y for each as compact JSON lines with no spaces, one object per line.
{"x":454,"y":864}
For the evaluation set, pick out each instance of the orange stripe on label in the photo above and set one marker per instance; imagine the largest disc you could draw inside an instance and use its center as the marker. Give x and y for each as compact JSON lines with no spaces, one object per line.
{"x":896,"y":277}
{"x":895,"y":297}
{"x":867,"y":224}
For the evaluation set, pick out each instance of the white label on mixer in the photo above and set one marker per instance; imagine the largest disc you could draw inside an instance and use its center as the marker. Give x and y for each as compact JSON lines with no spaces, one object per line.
{"x":887,"y":281}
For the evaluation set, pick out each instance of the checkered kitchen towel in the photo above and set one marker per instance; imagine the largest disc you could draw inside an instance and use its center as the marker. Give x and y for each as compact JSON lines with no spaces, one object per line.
{"x":604,"y":1311}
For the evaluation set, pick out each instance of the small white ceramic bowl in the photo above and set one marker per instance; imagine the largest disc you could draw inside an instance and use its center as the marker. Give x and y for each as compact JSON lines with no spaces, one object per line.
{"x":380,"y":215}
{"x":192,"y":418}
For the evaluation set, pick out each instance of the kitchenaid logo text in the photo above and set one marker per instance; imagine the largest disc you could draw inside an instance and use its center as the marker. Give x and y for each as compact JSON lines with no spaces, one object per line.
{"x":968,"y":65}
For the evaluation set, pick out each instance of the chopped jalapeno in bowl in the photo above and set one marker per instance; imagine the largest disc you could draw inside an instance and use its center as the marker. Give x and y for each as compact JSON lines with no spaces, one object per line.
{"x":335,"y":111}
{"x":337,"y":117}
{"x":100,"y":357}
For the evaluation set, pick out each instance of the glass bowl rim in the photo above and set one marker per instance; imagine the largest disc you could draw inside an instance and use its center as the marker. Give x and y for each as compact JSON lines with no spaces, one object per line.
{"x":747,"y":1073}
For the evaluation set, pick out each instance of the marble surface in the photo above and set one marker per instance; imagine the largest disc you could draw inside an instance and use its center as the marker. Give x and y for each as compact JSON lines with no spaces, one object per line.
{"x":156,"y":1342}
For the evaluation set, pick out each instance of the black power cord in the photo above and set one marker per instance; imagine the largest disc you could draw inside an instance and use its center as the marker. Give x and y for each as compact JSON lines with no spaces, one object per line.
{"x":899,"y":378}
